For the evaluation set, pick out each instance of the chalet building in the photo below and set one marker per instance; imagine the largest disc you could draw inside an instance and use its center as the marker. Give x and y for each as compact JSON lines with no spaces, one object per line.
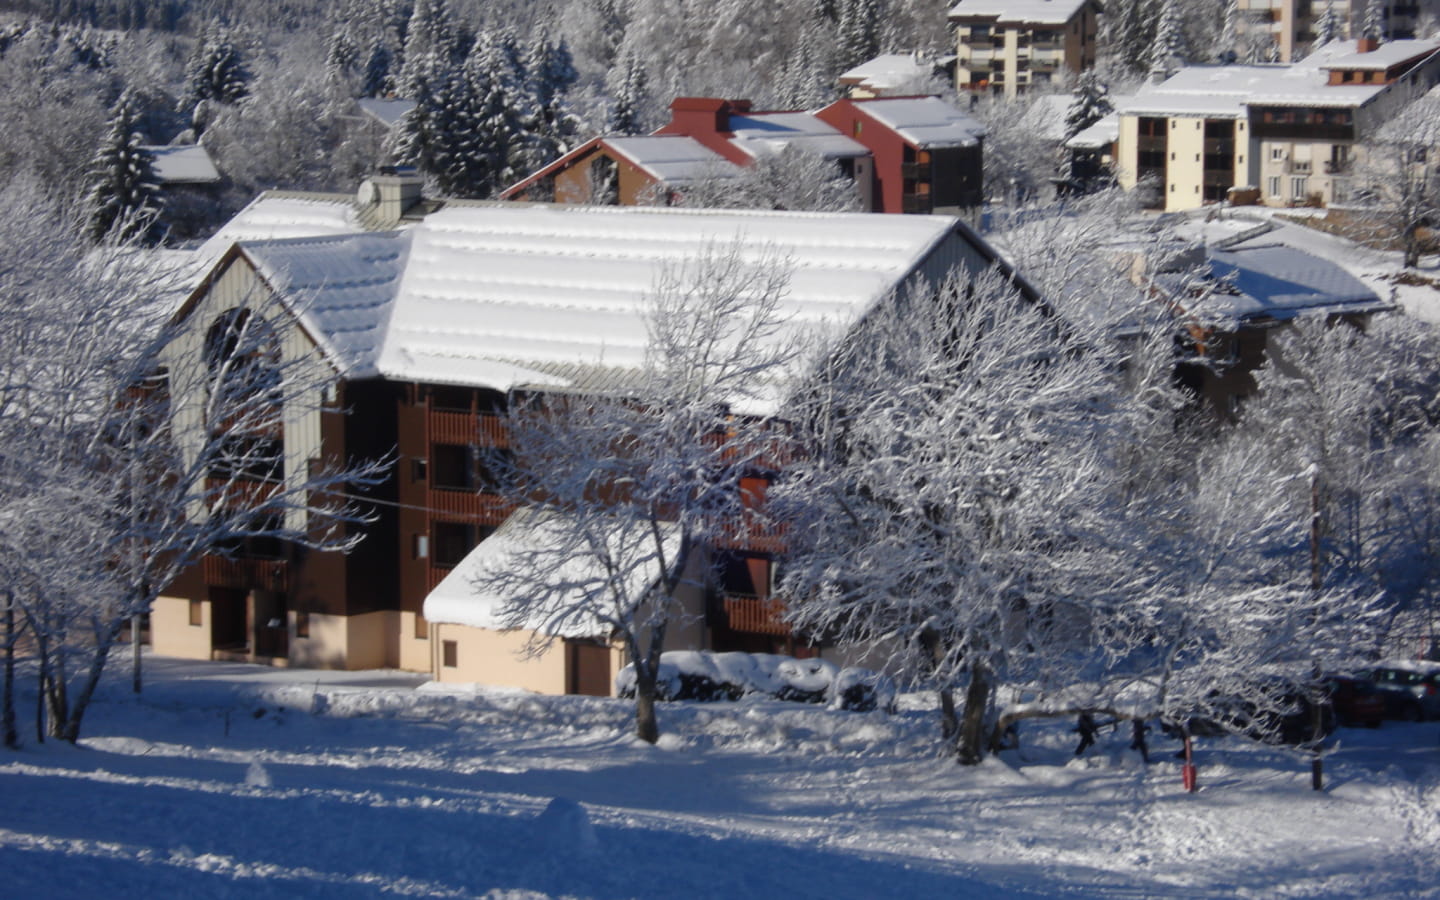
{"x":1230,"y":296}
{"x":1007,"y":46}
{"x":905,"y":154}
{"x":1288,"y":135}
{"x":426,"y":317}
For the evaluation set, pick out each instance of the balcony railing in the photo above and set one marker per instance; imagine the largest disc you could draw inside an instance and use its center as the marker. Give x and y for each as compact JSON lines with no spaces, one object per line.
{"x":915,"y":171}
{"x":485,"y":430}
{"x":754,"y":615}
{"x":487,"y":509}
{"x":916,"y":203}
{"x":241,"y":493}
{"x":246,"y":574}
{"x":1337,"y":167}
{"x":754,"y":536}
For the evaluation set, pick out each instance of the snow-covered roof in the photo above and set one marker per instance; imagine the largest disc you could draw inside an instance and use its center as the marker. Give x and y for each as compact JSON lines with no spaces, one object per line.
{"x":284,"y":214}
{"x":341,"y":287}
{"x":386,"y":112}
{"x":464,"y":597}
{"x":1227,"y":91}
{"x":672,"y":158}
{"x":501,"y":295}
{"x":1044,"y":12}
{"x":1343,"y":54}
{"x":185,"y":164}
{"x":764,"y":134}
{"x":890,"y":71}
{"x":1102,"y":134}
{"x":927,"y":122}
{"x":1273,"y":281}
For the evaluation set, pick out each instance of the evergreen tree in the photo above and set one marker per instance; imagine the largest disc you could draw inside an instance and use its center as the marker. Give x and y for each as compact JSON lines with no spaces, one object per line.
{"x":215,"y":73}
{"x":859,"y":31}
{"x":630,"y":89}
{"x":1327,"y":27}
{"x":553,"y":126}
{"x":342,"y":57}
{"x":1091,"y":103}
{"x":375,"y":80}
{"x":496,"y":105}
{"x":1169,"y":51}
{"x":430,"y":44}
{"x":806,"y":79}
{"x":1374,"y":23}
{"x":121,"y":202}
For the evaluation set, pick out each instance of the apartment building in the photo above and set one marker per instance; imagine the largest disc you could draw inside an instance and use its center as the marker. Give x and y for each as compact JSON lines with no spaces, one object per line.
{"x":1286,"y":135}
{"x":1289,"y":28}
{"x":1006,"y":46}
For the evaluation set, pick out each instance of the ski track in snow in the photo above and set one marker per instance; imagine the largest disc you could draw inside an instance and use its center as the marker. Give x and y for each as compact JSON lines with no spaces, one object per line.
{"x":238,"y":790}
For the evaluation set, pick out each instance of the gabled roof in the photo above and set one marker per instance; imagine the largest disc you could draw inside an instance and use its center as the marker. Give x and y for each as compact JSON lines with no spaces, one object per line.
{"x":671,"y":158}
{"x":284,"y":214}
{"x":502,"y":295}
{"x":387,"y":112}
{"x":925,"y":122}
{"x":184,"y":164}
{"x":765,"y":134}
{"x":1261,"y":283}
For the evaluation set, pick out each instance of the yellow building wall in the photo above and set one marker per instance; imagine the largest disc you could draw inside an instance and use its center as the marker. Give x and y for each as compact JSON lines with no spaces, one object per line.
{"x":412,"y":653}
{"x":171,"y":633}
{"x":344,"y":642}
{"x":497,"y":658}
{"x":1185,"y":166}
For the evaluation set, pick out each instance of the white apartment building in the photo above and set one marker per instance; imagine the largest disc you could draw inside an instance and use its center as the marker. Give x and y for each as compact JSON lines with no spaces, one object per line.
{"x":1287,"y":132}
{"x":1006,"y":46}
{"x":1291,"y":26}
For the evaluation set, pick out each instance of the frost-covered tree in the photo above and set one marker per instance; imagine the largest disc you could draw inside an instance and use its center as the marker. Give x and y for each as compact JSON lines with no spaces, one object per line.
{"x":552,"y":128}
{"x":1372,"y":26}
{"x":1327,"y":27}
{"x":792,"y":179}
{"x":627,"y":488}
{"x":122,"y":201}
{"x":1091,"y":103}
{"x":1396,"y":184}
{"x":631,"y":92}
{"x":104,"y":497}
{"x":859,"y":29}
{"x":1169,"y":51}
{"x":947,"y":515}
{"x":430,"y":44}
{"x":215,"y":73}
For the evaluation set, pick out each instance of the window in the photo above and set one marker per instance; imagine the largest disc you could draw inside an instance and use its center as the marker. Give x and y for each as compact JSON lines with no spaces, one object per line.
{"x":449,"y":654}
{"x":197,"y":613}
{"x":452,"y":541}
{"x":419,"y":468}
{"x":1299,"y":187}
{"x":1277,"y":154}
{"x":453,"y":468}
{"x":420,"y":546}
{"x":422,"y":628}
{"x":302,"y":623}
{"x":1272,"y":186}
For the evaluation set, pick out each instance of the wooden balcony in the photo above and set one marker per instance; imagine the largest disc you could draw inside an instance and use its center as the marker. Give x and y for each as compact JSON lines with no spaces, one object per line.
{"x":484,"y":430}
{"x":754,"y":615}
{"x":488,"y":509}
{"x":246,"y":574}
{"x":916,"y":203}
{"x":915,"y":171}
{"x":755,"y":537}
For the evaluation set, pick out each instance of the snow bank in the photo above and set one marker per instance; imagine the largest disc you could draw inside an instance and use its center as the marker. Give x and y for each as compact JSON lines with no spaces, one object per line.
{"x":704,"y":676}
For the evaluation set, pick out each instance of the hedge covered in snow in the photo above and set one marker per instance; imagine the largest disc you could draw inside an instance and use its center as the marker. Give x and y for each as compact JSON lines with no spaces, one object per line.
{"x":705,"y":676}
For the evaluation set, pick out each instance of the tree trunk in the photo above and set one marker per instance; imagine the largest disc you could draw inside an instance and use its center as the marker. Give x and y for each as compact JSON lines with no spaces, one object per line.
{"x":971,"y":749}
{"x":56,"y":692}
{"x":949,"y":723}
{"x":647,"y":728}
{"x":71,"y":726}
{"x":135,"y":679}
{"x":42,"y":650}
{"x":7,"y":703}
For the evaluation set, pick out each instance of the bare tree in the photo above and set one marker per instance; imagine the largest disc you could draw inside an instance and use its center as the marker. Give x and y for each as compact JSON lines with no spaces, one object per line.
{"x":1398,"y":182}
{"x":129,"y":458}
{"x":792,"y":179}
{"x":947,"y":513}
{"x":627,"y":488}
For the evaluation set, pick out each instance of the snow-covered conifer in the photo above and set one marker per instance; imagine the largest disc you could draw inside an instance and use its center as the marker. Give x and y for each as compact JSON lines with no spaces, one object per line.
{"x":1169,"y":52}
{"x":122,"y":197}
{"x":1091,"y":103}
{"x":630,"y":89}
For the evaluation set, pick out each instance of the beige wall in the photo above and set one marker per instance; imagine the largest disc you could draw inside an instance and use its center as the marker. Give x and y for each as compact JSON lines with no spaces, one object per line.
{"x":171,"y":633}
{"x":344,"y":642}
{"x":497,"y":658}
{"x":1184,"y":168}
{"x":412,"y":653}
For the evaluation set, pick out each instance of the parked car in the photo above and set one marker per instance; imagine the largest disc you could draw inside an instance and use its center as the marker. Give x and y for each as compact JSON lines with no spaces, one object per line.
{"x":1418,"y":682}
{"x":1360,"y":701}
{"x":1288,"y":717}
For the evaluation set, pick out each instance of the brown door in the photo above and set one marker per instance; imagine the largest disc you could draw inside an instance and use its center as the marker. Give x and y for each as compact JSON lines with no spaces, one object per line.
{"x":587,"y":668}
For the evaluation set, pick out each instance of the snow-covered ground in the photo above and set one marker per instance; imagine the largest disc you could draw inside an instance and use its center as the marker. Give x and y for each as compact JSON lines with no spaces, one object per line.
{"x":227,"y":780}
